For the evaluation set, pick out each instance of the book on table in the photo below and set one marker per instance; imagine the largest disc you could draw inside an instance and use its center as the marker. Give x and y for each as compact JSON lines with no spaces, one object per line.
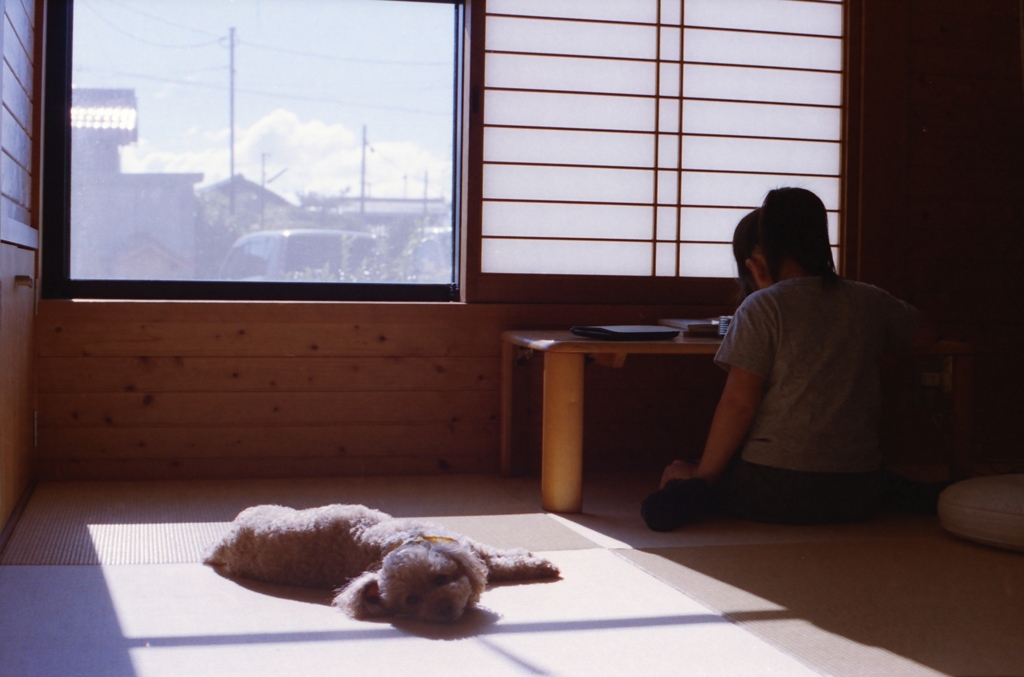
{"x":626,"y":332}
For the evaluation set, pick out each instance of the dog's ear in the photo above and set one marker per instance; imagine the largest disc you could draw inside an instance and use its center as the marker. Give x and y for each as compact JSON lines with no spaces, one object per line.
{"x":472,"y":567}
{"x":361,"y":597}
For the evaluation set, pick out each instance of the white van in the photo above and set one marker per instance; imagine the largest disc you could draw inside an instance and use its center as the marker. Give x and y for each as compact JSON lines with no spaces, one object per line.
{"x":298,"y":255}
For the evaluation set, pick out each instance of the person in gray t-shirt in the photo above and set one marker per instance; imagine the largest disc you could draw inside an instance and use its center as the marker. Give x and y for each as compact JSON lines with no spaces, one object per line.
{"x":801,"y":403}
{"x":816,"y":348}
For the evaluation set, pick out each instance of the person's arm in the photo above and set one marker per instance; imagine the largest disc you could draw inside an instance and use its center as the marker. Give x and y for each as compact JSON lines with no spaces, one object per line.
{"x":733,"y":416}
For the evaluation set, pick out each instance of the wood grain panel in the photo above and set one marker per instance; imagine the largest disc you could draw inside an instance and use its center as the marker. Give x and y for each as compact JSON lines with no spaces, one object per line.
{"x":15,"y":183}
{"x":259,"y":467}
{"x":264,"y":339}
{"x":15,"y":140}
{"x":19,"y":13}
{"x":189,"y":409}
{"x":270,"y":374}
{"x":330,"y":330}
{"x":15,"y":98}
{"x":179,"y":384}
{"x":965,"y":62}
{"x":966,"y":29}
{"x":946,"y":153}
{"x":29,"y":7}
{"x":16,"y":398}
{"x":349,"y":441}
{"x":967,"y":108}
{"x":995,"y":8}
{"x":17,"y":233}
{"x":13,"y":210}
{"x":506,"y":316}
{"x":15,"y":53}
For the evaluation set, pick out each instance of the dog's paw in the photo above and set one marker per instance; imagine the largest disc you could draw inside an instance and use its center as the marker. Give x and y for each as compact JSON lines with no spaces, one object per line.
{"x":520,"y":565}
{"x":544,"y":568}
{"x":361,"y":598}
{"x":215,"y":555}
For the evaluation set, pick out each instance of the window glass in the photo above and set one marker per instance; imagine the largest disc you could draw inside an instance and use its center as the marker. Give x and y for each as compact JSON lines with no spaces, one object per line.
{"x":262,"y":140}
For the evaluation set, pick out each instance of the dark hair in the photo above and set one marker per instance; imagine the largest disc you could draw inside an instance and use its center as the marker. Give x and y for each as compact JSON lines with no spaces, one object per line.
{"x":794,"y":224}
{"x":744,"y":241}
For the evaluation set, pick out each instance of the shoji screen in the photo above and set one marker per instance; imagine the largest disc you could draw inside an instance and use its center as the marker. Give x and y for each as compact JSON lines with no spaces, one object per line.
{"x":627,"y":137}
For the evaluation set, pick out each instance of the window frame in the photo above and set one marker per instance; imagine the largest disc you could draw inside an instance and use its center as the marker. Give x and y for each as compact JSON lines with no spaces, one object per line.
{"x":56,"y":280}
{"x":606,"y":289}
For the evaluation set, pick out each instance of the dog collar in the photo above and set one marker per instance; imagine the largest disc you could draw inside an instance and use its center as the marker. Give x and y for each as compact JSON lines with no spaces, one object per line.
{"x":395,"y":545}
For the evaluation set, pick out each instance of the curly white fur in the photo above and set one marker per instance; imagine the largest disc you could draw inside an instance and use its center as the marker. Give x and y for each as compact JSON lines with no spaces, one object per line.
{"x":379,"y":565}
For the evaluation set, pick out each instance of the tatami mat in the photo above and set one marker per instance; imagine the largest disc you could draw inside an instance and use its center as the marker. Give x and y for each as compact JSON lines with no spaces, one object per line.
{"x":916,"y":606}
{"x":612,"y":508}
{"x":175,"y":522}
{"x":895,"y":596}
{"x":605,"y":617}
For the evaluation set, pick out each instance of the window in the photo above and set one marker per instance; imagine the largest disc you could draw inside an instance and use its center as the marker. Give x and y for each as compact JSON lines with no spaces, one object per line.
{"x":623,"y":140}
{"x":609,"y":149}
{"x":247,"y":149}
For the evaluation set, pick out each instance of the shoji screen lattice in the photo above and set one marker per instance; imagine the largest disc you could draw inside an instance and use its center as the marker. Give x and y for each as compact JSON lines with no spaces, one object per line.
{"x":627,"y":137}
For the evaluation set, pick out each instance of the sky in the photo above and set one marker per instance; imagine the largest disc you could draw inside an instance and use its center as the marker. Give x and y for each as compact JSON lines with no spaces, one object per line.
{"x":309,"y":74}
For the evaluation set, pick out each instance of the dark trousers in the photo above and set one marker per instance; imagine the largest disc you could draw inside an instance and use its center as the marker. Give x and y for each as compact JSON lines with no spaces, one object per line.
{"x":765,"y":494}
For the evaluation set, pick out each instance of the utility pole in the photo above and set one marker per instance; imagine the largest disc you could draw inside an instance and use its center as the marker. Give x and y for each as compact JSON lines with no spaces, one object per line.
{"x":264,"y":182}
{"x":426,"y":179}
{"x":362,"y":177}
{"x":231,"y":111}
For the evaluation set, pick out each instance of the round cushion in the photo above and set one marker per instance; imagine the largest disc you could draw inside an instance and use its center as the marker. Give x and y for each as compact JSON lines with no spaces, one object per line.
{"x":988,"y":510}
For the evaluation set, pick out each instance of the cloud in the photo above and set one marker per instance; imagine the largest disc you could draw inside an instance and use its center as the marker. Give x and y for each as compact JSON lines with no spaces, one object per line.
{"x":318,"y":157}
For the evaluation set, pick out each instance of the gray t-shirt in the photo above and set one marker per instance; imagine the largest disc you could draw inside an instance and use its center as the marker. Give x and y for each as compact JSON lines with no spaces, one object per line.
{"x":818,"y":351}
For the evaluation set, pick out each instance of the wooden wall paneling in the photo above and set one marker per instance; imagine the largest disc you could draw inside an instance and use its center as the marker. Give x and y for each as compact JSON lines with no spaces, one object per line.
{"x":16,"y":399}
{"x":15,"y":96}
{"x":14,"y":180}
{"x":883,"y":125}
{"x":265,"y":374}
{"x":13,"y":210}
{"x":16,"y":141}
{"x":201,"y":467}
{"x":359,"y":440}
{"x":265,"y":338}
{"x":74,"y":410}
{"x":21,"y":15}
{"x":32,"y":8}
{"x":174,"y":389}
{"x":853,"y":89}
{"x":55,"y":312}
{"x":18,"y":37}
{"x":959,"y":255}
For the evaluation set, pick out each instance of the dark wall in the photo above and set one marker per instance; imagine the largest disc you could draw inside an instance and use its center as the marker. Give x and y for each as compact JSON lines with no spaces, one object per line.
{"x":943,"y":186}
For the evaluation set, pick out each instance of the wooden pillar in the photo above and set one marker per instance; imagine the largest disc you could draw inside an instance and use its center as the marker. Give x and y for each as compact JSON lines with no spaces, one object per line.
{"x":561,"y":476}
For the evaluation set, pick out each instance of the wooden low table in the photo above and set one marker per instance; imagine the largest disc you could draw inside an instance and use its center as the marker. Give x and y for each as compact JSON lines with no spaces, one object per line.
{"x":562,"y":422}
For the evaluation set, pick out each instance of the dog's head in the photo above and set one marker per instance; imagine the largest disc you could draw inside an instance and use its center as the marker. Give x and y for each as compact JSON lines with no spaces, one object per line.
{"x":429,"y":579}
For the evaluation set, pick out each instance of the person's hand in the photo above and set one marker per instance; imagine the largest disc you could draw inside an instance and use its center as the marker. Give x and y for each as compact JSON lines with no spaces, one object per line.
{"x":679,"y":470}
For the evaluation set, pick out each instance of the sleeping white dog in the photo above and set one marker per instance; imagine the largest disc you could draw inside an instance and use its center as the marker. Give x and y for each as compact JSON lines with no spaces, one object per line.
{"x":379,"y":565}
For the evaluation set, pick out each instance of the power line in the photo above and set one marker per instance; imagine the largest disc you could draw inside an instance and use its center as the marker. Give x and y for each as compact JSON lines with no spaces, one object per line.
{"x":162,"y":20}
{"x":260,"y":92}
{"x":394,"y":164}
{"x":346,"y":59}
{"x":256,"y":45}
{"x":153,"y":43}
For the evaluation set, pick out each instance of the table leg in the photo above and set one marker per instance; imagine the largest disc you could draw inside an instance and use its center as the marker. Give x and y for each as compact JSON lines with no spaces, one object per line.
{"x":561,"y":478}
